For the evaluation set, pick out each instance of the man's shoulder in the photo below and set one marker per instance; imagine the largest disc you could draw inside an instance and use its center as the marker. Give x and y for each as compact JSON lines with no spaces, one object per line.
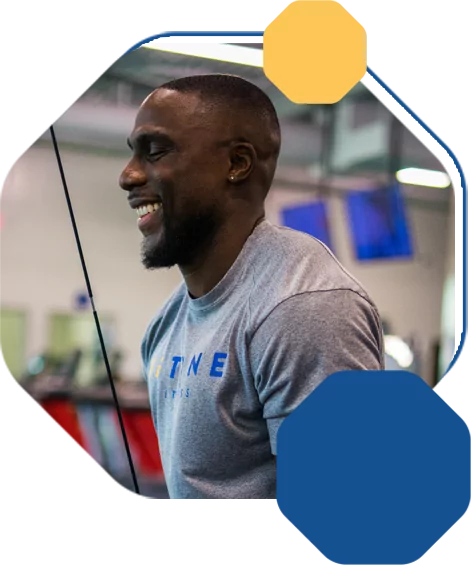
{"x":292,"y":263}
{"x":306,"y":293}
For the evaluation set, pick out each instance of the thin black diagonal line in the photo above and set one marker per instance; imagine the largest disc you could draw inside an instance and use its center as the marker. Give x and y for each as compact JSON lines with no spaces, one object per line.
{"x":95,"y":314}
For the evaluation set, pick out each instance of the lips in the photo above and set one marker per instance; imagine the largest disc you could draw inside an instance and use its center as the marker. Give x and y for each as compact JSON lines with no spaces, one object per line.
{"x":149,"y":218}
{"x":138,"y":200}
{"x":149,"y":212}
{"x":147,"y":209}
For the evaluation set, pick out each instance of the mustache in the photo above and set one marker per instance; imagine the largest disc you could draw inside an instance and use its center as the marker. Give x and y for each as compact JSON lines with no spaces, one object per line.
{"x":145,"y":194}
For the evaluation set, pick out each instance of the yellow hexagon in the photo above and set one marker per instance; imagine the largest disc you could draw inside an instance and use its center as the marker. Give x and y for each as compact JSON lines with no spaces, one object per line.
{"x":314,"y":52}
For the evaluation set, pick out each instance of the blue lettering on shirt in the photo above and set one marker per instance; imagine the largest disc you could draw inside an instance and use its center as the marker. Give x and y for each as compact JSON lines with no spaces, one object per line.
{"x":218,"y":364}
{"x":175,"y":360}
{"x":194,"y":364}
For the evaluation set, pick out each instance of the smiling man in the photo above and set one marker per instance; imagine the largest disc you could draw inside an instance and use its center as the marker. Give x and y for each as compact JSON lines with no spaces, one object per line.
{"x":264,"y":313}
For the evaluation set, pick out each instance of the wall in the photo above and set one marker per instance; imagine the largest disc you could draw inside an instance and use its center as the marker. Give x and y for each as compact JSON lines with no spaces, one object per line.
{"x":449,"y":340}
{"x":40,"y":268}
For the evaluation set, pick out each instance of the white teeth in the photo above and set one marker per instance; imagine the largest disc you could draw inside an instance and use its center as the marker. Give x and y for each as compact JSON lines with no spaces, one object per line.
{"x":148,"y":209}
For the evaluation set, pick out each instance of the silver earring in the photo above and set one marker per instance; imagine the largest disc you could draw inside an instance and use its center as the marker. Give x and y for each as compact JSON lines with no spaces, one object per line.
{"x":232,"y":177}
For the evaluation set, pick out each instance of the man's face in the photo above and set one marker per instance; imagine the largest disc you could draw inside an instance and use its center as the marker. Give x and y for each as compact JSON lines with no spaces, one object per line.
{"x":176,"y":177}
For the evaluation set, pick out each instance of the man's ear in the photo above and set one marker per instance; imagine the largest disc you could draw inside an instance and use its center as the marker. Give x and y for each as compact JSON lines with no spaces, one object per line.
{"x":242,"y":160}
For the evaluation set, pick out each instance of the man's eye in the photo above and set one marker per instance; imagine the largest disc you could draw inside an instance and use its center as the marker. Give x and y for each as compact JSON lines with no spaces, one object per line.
{"x":153,"y":155}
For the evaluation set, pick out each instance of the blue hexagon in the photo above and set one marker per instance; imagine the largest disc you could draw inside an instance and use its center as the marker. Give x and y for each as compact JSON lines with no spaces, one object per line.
{"x":373,"y":467}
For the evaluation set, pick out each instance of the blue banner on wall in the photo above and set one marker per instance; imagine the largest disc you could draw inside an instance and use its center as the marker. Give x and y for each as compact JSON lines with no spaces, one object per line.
{"x":378,"y":224}
{"x":309,"y":218}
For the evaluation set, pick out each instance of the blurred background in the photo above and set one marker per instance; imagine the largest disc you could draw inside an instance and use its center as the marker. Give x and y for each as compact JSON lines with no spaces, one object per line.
{"x":350,"y":174}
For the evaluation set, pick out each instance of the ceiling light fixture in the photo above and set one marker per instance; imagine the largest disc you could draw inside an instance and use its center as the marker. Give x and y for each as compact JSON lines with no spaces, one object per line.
{"x":423,"y":177}
{"x":210,"y":49}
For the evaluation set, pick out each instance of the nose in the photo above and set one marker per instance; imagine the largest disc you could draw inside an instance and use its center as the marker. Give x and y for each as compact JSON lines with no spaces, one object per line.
{"x":132,"y":176}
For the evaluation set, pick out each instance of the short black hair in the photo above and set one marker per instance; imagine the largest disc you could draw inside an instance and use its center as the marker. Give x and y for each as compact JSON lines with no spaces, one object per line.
{"x":232,"y":90}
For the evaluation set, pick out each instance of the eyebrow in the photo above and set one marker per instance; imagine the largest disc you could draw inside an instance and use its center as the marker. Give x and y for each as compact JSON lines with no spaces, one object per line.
{"x":147,"y":137}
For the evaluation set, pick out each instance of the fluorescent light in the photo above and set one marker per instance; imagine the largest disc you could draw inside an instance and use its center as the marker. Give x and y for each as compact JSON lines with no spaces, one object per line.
{"x":215,"y":51}
{"x":398,"y":349}
{"x":423,"y":177}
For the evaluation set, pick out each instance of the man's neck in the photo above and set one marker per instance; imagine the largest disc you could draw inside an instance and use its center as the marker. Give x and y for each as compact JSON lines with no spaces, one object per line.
{"x":212,"y":265}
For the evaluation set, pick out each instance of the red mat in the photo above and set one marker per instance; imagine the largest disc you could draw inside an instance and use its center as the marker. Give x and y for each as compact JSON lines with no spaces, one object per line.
{"x":143,"y":441}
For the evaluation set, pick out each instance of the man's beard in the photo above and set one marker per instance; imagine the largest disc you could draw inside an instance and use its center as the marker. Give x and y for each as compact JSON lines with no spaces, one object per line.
{"x":180,"y":240}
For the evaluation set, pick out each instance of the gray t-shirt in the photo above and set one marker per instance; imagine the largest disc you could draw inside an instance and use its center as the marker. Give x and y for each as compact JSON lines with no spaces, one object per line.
{"x":224,"y":370}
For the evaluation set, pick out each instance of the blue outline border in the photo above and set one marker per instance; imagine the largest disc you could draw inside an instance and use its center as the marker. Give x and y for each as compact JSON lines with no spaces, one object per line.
{"x":407,"y":109}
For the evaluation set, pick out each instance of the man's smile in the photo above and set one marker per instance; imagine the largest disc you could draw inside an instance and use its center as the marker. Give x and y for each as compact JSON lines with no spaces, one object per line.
{"x":149,"y":217}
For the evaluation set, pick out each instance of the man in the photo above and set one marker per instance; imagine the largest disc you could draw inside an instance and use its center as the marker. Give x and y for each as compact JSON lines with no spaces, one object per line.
{"x":264,"y":314}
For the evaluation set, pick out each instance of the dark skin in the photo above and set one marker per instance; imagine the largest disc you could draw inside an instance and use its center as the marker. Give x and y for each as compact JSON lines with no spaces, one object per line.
{"x":210,"y":168}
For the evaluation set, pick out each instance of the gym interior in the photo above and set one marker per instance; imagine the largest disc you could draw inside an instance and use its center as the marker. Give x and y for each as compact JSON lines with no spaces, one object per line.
{"x":349,"y":174}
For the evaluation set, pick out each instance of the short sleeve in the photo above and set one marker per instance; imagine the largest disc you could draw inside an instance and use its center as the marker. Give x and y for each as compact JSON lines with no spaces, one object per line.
{"x":305,"y":339}
{"x":144,"y":357}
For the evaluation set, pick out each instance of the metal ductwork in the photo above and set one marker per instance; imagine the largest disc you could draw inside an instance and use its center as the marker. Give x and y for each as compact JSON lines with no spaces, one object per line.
{"x":107,"y":127}
{"x":359,"y":141}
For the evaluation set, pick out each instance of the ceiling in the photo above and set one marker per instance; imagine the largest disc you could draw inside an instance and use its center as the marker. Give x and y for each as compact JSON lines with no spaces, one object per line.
{"x":357,"y":144}
{"x":146,"y":69}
